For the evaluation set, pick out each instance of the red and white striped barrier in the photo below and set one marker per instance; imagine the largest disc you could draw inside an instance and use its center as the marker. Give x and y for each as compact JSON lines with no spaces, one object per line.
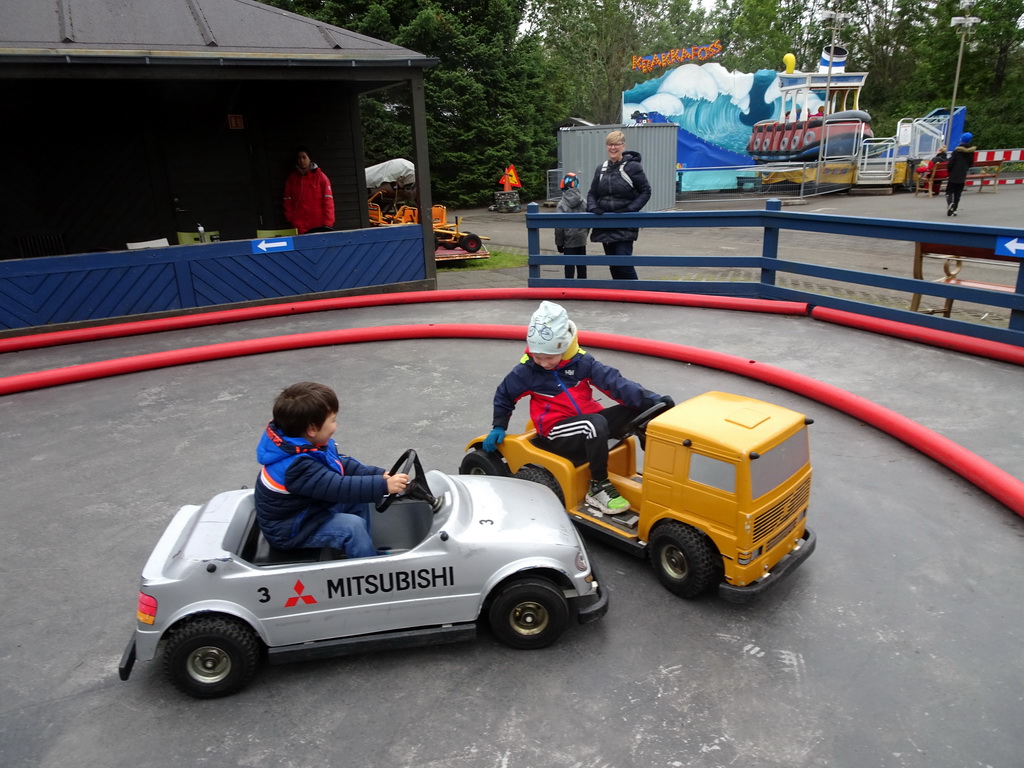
{"x":1007,"y":155}
{"x":993,"y":155}
{"x":990,"y":182}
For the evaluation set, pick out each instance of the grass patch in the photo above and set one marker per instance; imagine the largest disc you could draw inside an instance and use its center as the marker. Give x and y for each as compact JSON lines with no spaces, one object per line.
{"x":497,"y":260}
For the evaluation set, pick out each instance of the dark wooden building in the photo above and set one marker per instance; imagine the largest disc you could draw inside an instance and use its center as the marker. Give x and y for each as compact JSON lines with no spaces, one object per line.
{"x":132,"y":120}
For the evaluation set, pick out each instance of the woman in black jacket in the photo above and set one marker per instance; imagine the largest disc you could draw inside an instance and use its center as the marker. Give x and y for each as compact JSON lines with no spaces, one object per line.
{"x":619,"y":186}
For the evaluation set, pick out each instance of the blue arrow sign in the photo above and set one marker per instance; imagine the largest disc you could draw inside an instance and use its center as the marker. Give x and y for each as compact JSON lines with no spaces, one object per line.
{"x":1010,"y":246}
{"x":272,"y":244}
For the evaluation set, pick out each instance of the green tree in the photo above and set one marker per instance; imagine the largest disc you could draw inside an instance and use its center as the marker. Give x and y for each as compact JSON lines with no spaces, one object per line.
{"x":991,"y":74}
{"x":487,"y":102}
{"x":761,"y":32}
{"x":591,"y":43}
{"x":881,"y":36}
{"x":512,"y":69}
{"x":679,"y":24}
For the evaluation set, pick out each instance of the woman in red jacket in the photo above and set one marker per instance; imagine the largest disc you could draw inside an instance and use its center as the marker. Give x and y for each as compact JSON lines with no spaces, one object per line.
{"x":308,"y":200}
{"x":940,"y":157}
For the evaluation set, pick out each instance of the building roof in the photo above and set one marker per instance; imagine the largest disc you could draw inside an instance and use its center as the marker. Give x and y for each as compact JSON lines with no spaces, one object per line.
{"x":221,"y":33}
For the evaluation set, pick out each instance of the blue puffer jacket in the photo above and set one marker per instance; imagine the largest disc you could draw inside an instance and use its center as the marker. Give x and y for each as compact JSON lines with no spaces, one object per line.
{"x":302,"y":485}
{"x":612,"y":192}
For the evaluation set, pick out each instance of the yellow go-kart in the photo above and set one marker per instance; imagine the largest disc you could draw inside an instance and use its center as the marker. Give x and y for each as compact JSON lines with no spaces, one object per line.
{"x":722,"y":499}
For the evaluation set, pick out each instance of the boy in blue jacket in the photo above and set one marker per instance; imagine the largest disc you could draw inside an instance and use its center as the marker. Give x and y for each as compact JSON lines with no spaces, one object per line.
{"x":557,"y":375}
{"x":308,"y":494}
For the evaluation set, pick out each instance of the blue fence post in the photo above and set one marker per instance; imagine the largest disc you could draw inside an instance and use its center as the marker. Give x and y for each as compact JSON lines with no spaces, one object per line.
{"x":770,"y":245}
{"x":532,"y":241}
{"x":1017,"y":315}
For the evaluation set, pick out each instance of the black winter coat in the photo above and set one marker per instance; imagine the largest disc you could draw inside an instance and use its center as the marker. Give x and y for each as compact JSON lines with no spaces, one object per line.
{"x":960,"y":161}
{"x":611,"y":192}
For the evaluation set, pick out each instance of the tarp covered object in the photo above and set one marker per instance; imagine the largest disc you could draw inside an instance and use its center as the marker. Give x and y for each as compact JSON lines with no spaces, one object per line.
{"x":397,"y":171}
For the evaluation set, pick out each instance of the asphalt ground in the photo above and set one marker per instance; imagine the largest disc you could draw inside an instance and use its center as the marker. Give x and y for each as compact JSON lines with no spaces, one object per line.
{"x":897,"y":644}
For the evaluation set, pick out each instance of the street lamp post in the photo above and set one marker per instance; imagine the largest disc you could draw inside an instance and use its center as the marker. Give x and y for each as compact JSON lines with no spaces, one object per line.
{"x":833,"y":20}
{"x":965,"y":24}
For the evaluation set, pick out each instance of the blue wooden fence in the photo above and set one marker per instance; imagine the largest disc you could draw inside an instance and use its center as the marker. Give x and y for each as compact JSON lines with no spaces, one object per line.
{"x":62,"y":289}
{"x":770,"y":262}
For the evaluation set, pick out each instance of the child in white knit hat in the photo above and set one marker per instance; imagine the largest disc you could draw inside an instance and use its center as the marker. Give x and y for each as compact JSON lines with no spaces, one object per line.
{"x":558,"y":375}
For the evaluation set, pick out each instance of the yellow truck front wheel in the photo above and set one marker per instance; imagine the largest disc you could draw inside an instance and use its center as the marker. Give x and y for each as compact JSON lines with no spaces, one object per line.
{"x":684,"y":559}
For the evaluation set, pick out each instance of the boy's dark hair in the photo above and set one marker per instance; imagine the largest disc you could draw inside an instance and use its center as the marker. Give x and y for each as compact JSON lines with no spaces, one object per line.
{"x":304,"y":405}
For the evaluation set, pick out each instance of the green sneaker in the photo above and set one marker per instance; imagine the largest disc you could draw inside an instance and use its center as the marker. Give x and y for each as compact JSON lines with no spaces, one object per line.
{"x":604,"y":496}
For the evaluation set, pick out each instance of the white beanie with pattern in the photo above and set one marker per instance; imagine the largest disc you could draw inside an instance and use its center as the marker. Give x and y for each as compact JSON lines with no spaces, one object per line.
{"x":550,"y":332}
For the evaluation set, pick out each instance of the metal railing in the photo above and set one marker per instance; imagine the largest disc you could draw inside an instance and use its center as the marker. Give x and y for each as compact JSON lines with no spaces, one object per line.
{"x":877,"y":162}
{"x":769,"y":264}
{"x":764,"y":181}
{"x":554,"y":180}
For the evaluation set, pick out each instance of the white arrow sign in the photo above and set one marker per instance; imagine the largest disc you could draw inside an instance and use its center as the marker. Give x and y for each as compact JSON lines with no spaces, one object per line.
{"x":273,"y":245}
{"x":1014,"y":245}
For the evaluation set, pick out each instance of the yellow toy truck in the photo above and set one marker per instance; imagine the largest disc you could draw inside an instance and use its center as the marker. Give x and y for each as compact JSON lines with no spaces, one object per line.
{"x":722,"y":499}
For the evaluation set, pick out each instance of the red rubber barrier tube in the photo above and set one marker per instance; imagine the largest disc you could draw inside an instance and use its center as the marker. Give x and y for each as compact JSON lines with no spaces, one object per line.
{"x":101,"y":369}
{"x":138,"y":327}
{"x":996,"y":482}
{"x":986,"y":476}
{"x":995,"y":350}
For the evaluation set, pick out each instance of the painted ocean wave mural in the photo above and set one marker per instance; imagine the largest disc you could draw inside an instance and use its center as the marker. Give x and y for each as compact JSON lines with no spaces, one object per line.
{"x":729,"y":119}
{"x":712,"y":103}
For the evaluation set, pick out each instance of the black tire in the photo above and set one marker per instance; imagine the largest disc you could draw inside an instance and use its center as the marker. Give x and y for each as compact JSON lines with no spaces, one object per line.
{"x":536,"y":474}
{"x":684,"y":559}
{"x":483,"y":463}
{"x":211,"y":656}
{"x":470,"y":243}
{"x":529,"y":614}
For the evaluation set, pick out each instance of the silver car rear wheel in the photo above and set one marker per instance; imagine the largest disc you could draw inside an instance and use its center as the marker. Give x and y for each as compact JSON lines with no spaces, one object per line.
{"x":208,"y":664}
{"x":211,"y":656}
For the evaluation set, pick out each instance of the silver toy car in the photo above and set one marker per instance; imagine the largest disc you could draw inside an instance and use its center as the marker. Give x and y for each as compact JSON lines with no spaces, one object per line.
{"x":458,"y":549}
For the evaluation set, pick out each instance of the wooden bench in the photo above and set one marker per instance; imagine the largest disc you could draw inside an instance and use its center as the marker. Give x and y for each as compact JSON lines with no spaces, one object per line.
{"x":953,"y":259}
{"x":927,"y":179}
{"x":989,"y":171}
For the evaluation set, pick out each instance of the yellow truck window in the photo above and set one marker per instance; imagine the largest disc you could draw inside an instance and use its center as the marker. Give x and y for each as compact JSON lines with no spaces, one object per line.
{"x":714,"y":472}
{"x":774,"y":467}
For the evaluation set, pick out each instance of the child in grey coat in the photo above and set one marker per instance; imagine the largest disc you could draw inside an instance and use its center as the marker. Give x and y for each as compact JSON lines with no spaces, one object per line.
{"x":572,"y":241}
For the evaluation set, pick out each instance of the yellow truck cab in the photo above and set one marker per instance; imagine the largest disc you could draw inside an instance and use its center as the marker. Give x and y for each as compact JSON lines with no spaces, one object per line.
{"x":722,"y":499}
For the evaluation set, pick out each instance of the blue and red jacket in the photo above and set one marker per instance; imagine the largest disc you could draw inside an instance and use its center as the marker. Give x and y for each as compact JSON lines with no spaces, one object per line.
{"x":565,"y":391}
{"x":302,"y":485}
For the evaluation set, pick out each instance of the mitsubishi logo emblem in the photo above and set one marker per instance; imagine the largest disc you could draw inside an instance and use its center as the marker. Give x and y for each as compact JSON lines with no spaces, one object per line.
{"x":299,"y":589}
